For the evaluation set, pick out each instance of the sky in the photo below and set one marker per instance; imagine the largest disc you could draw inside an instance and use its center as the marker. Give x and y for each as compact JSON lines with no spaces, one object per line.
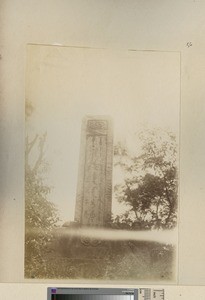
{"x":134,"y":88}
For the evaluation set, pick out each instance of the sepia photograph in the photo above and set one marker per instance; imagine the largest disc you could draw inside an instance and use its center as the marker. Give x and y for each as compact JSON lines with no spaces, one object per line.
{"x":101,"y":164}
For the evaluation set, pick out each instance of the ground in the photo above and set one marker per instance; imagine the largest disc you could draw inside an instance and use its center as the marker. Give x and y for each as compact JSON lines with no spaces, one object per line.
{"x":71,"y":256}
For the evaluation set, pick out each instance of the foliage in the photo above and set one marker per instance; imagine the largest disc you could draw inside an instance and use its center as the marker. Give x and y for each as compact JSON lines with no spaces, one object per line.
{"x":40,"y":214}
{"x":150,"y":182}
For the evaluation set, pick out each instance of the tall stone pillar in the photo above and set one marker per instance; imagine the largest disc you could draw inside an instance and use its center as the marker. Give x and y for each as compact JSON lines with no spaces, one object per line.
{"x":94,"y":189}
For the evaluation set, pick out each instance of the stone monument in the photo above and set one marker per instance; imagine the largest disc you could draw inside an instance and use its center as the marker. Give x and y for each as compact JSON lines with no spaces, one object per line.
{"x":94,"y":189}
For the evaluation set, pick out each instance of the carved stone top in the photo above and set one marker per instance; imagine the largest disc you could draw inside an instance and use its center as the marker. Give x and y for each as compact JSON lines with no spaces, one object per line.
{"x":97,"y":127}
{"x":97,"y":124}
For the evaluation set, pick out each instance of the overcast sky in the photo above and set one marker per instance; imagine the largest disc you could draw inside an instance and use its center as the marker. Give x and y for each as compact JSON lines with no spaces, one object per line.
{"x":64,"y":84}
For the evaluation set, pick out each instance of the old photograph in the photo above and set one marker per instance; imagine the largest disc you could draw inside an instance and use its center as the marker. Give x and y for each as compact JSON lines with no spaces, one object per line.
{"x":101,"y":164}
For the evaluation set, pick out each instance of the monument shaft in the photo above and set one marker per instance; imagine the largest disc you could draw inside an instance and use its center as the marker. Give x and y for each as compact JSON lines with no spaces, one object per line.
{"x":94,"y":190}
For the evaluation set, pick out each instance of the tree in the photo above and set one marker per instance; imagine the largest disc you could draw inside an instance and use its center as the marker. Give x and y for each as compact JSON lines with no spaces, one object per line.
{"x":150,"y":182}
{"x":40,"y":214}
